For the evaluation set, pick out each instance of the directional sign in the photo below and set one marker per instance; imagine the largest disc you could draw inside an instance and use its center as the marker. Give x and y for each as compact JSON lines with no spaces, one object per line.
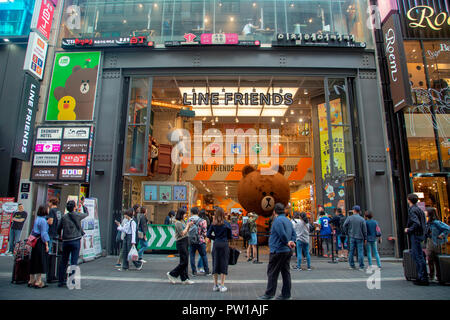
{"x":161,"y":237}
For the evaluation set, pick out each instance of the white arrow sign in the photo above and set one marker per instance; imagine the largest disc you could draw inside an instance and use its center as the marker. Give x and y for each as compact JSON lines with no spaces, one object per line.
{"x":152,"y":236}
{"x":172,"y":238}
{"x":163,"y":237}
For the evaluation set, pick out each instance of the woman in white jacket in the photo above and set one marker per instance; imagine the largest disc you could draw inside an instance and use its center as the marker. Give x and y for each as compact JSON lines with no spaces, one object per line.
{"x":302,"y":228}
{"x":129,"y":242}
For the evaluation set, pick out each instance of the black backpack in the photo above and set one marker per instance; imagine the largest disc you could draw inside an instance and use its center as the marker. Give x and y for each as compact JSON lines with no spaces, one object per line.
{"x":245,"y":232}
{"x":341,"y":225}
{"x":194,"y":236}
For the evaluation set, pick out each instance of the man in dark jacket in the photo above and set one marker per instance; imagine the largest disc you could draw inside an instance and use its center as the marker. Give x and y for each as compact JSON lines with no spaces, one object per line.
{"x":415,"y":228}
{"x":281,"y":241}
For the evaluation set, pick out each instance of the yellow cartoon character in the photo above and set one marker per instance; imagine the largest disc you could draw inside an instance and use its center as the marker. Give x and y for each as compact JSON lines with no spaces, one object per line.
{"x":66,"y":106}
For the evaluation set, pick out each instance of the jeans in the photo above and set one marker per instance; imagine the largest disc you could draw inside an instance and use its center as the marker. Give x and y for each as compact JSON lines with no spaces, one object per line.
{"x":144,"y":246}
{"x":200,"y":263}
{"x":359,"y":244}
{"x":70,"y":248}
{"x":326,"y":243}
{"x":279,"y":262}
{"x":182,"y":268}
{"x":201,"y":248}
{"x":372,"y":247}
{"x":303,"y":249}
{"x":14,"y":237}
{"x":417,"y":254}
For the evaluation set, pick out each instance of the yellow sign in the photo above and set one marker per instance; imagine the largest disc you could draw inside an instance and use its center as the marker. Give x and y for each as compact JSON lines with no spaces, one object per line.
{"x":426,"y":18}
{"x":337,"y":136}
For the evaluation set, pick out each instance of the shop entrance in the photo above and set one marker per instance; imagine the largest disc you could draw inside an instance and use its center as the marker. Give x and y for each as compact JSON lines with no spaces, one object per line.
{"x":177,"y":125}
{"x":433,"y":192}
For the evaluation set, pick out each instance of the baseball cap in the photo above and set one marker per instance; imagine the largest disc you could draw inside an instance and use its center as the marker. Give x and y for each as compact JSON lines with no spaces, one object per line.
{"x":279,"y":208}
{"x":356,"y":208}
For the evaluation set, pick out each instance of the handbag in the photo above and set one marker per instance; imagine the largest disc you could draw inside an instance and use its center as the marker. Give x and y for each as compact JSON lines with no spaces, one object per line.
{"x":140,"y":233}
{"x":378,"y":231}
{"x":133,"y":254}
{"x":32,"y":240}
{"x":233,"y":256}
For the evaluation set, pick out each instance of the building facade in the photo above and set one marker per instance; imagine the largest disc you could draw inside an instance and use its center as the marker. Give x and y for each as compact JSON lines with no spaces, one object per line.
{"x":417,"y":107}
{"x":143,"y":98}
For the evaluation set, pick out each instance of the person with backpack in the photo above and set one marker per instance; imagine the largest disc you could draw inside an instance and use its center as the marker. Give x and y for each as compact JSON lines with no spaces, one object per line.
{"x":436,"y":236}
{"x":70,"y":226}
{"x":416,"y":229}
{"x":54,"y":215}
{"x":302,"y":229}
{"x":251,"y":236}
{"x":197,"y":241}
{"x":373,"y":233}
{"x":142,"y":229}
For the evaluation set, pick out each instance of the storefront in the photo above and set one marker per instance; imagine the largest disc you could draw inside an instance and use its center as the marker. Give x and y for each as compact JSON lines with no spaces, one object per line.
{"x":418,"y":109}
{"x":189,"y":92}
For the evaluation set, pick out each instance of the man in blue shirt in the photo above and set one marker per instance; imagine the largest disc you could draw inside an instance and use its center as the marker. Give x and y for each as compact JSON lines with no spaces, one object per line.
{"x":281,"y":241}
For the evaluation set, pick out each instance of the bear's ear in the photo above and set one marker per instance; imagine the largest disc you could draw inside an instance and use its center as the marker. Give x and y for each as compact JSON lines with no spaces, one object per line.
{"x":59,"y":92}
{"x":280,"y":169}
{"x":75,"y":69}
{"x":247,"y":169}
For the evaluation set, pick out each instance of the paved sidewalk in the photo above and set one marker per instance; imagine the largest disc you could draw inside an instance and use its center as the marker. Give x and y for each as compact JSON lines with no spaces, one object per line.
{"x":246,"y":281}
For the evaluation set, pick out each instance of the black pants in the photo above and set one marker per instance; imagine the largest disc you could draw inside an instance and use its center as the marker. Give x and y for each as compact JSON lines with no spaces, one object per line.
{"x":182,"y":268}
{"x":279,"y":262}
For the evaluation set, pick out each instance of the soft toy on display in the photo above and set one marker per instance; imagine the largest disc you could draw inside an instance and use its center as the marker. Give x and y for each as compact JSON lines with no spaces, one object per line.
{"x":260,"y":192}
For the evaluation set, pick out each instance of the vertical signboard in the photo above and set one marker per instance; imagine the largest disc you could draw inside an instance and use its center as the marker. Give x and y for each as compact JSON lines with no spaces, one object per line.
{"x":36,"y":55}
{"x":7,"y":207}
{"x":396,"y":61}
{"x":25,"y":123}
{"x":73,"y":86}
{"x":42,"y":18}
{"x":90,"y":243}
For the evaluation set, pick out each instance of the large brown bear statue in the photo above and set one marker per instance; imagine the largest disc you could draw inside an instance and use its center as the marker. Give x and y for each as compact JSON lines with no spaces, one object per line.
{"x":81,"y":86}
{"x":260,"y":192}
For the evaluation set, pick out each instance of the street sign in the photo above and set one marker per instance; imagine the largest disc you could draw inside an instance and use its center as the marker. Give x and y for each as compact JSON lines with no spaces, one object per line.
{"x":161,"y":237}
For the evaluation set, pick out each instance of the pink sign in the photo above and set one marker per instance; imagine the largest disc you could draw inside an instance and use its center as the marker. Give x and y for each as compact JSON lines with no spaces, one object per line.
{"x":44,"y":23}
{"x":385,"y":7}
{"x":47,"y":146}
{"x":219,"y":38}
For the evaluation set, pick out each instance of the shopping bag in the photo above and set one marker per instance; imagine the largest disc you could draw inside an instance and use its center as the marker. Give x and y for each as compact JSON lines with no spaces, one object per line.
{"x":133,"y":254}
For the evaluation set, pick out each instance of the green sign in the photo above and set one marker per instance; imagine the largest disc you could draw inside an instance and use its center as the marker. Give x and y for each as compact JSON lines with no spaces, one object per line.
{"x":161,"y":237}
{"x":73,"y":86}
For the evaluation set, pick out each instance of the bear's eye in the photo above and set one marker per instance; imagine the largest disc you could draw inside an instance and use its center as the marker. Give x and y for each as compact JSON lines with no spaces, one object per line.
{"x":272,"y":194}
{"x":264,"y":194}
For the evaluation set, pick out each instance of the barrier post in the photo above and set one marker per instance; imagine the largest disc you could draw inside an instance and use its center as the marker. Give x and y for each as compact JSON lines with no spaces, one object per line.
{"x":333,"y":260}
{"x":257,"y":251}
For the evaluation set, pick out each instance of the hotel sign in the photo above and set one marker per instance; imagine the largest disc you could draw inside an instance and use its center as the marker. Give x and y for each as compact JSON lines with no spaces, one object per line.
{"x":396,"y":61}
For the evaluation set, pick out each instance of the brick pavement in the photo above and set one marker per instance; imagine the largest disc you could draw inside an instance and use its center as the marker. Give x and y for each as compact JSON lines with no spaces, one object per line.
{"x":246,"y":281}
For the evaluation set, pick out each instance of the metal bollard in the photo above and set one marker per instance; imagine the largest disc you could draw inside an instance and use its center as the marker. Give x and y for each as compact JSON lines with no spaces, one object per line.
{"x":333,"y":260}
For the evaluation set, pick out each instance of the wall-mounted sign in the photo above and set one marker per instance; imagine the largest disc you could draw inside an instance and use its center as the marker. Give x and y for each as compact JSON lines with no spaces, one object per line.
{"x":425,"y":17}
{"x":72,"y":160}
{"x":235,"y":98}
{"x":36,"y":55}
{"x":75,"y":146}
{"x":76,"y":133}
{"x":44,"y":174}
{"x":219,"y":38}
{"x":45,"y":160}
{"x":317,"y":40}
{"x":25,"y":122}
{"x":396,"y":61}
{"x":47,"y":146}
{"x":49,"y":133}
{"x":42,"y":18}
{"x":208,"y":39}
{"x":73,"y":87}
{"x":117,"y":42}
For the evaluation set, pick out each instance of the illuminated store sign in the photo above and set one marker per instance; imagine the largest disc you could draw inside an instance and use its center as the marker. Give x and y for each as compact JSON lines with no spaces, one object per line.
{"x":208,"y":39}
{"x":317,"y":40}
{"x":118,"y":42}
{"x":235,"y":98}
{"x":426,"y":17}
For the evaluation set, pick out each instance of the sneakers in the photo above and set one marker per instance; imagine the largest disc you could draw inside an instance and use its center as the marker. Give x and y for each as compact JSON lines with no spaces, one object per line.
{"x":280,"y":297}
{"x":216,"y":288}
{"x":118,"y":265}
{"x":421,"y":283}
{"x":143,"y":261}
{"x":194,"y":273}
{"x":223,"y":289}
{"x":201,"y":270}
{"x":352,"y":268}
{"x":140,"y":267}
{"x":249,"y":259}
{"x":208,"y":273}
{"x":173,"y":280}
{"x":309,"y":269}
{"x":187,"y":282}
{"x":265,"y":297}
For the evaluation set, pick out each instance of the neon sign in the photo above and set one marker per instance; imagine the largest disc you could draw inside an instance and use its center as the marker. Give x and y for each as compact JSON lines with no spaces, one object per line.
{"x":425,"y":17}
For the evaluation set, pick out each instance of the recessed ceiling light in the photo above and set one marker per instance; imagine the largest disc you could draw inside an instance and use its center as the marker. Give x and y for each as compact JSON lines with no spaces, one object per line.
{"x":231,"y":19}
{"x":155,"y":5}
{"x":6,"y":40}
{"x":292,"y":111}
{"x":124,"y":21}
{"x":273,"y":119}
{"x":140,"y":5}
{"x":300,"y":120}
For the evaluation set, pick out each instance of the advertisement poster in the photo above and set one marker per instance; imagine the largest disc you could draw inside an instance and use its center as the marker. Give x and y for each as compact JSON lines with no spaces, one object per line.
{"x":150,"y":193}
{"x":180,"y":193}
{"x":333,"y":191}
{"x":90,"y":244}
{"x":36,"y":55}
{"x":235,"y":231}
{"x":73,"y":86}
{"x":7,"y":207}
{"x":165,"y":193}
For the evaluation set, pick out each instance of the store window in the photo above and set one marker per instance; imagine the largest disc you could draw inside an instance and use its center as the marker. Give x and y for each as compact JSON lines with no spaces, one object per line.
{"x":252,"y":20}
{"x":136,"y":147}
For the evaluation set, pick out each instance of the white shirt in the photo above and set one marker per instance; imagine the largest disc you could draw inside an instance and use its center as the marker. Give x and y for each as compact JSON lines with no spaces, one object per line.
{"x":129,"y":228}
{"x":248,"y":28}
